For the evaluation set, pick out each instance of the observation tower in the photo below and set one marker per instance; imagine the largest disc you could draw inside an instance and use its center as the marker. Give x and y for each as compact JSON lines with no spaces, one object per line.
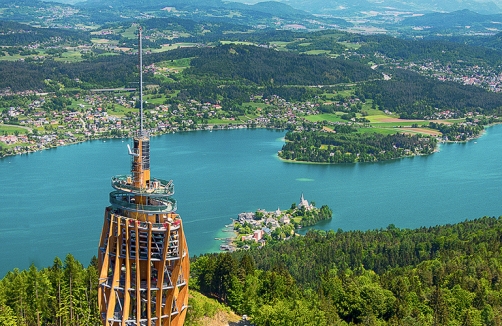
{"x":143,"y":255}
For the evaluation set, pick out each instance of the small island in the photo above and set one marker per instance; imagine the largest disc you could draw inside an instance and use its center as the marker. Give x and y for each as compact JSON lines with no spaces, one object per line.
{"x":255,"y":229}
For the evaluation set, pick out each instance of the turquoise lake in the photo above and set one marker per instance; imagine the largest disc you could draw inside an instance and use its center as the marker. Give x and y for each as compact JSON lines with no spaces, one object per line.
{"x":52,"y":202}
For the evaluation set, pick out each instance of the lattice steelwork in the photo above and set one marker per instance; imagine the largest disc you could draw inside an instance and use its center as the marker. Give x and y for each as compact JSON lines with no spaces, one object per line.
{"x":143,"y":255}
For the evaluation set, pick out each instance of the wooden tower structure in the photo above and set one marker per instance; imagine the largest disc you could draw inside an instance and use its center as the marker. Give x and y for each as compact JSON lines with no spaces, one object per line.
{"x":143,"y":255}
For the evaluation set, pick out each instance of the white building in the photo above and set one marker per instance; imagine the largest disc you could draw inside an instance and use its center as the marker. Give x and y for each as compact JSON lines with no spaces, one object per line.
{"x":304,"y":203}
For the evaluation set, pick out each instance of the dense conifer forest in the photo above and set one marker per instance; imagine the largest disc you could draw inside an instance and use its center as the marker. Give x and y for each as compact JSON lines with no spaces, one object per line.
{"x":264,"y":66}
{"x":246,"y":64}
{"x":442,"y":275}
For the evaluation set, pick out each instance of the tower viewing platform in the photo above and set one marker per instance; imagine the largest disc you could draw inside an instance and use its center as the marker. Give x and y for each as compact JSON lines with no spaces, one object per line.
{"x":143,"y":255}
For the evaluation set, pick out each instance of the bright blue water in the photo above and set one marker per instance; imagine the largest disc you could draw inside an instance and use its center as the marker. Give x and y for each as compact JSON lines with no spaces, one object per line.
{"x":52,"y":202}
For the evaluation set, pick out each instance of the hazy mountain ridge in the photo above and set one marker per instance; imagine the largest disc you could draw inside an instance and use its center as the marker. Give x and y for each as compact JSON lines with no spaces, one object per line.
{"x":211,"y":9}
{"x":150,"y":3}
{"x":344,"y":7}
{"x":269,"y":7}
{"x":462,"y":26}
{"x":461,"y":17}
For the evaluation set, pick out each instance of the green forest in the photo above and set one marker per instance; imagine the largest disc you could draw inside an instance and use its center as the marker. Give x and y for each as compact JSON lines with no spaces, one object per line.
{"x":441,"y":275}
{"x":234,"y":73}
{"x":416,"y":97}
{"x":16,"y":34}
{"x":327,"y":147}
{"x":282,"y":68}
{"x":418,"y":50}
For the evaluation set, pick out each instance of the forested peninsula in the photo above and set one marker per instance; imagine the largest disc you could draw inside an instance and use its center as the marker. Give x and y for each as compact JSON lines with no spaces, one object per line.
{"x":326,"y":147}
{"x":442,"y":275}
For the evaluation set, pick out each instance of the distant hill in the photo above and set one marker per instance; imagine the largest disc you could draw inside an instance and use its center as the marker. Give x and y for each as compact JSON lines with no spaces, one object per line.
{"x":215,"y":10}
{"x":454,"y":19}
{"x":491,"y":42}
{"x":278,"y":9}
{"x":270,"y":7}
{"x":495,"y":41}
{"x":151,"y":3}
{"x":16,"y":34}
{"x":346,"y":7}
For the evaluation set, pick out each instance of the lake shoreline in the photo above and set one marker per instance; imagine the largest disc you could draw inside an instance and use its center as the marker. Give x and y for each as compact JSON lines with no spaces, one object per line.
{"x":59,"y":197}
{"x":227,"y":127}
{"x":436,"y":150}
{"x":157,"y":134}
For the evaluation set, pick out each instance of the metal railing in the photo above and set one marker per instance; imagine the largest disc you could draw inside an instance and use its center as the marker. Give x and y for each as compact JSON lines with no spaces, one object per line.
{"x":126,"y":201}
{"x":155,"y":186}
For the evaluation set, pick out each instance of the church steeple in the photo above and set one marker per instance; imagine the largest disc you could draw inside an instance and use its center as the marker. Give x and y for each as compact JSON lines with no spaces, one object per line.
{"x":303,"y":203}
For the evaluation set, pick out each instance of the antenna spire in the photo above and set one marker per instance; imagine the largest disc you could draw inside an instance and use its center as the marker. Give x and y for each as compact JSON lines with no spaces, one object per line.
{"x":140,"y":51}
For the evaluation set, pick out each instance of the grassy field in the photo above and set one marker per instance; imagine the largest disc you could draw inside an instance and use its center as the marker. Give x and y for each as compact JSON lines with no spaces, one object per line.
{"x":404,"y":123}
{"x":349,"y":45}
{"x":237,"y":42}
{"x":103,"y":41}
{"x":70,"y":56}
{"x":250,"y":116}
{"x":219,"y":122}
{"x":379,"y":117}
{"x":255,"y":105}
{"x":87,"y":27}
{"x":280,"y":45}
{"x":426,"y":131}
{"x":155,"y":100}
{"x":238,"y":120}
{"x":3,"y":145}
{"x":79,"y":104}
{"x":168,"y":47}
{"x":120,"y":111}
{"x":10,"y":130}
{"x":383,"y":131}
{"x":15,"y":57}
{"x":331,"y":117}
{"x":177,"y":65}
{"x":343,"y":93}
{"x":380,"y":123}
{"x":210,"y":312}
{"x":346,"y":92}
{"x":317,"y":52}
{"x":130,"y":32}
{"x":391,"y":131}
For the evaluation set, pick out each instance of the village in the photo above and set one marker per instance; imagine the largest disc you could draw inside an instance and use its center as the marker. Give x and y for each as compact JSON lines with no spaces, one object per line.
{"x":41,"y":123}
{"x":255,"y":229}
